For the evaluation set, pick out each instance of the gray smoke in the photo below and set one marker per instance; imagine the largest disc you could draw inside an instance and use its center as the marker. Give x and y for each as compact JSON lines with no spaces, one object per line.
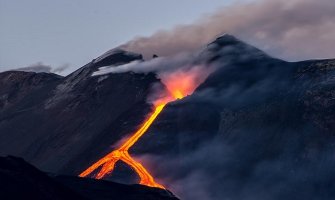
{"x":293,"y":30}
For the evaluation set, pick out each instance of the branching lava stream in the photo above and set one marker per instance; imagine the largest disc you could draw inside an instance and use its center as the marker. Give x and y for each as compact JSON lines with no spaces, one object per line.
{"x":108,"y":162}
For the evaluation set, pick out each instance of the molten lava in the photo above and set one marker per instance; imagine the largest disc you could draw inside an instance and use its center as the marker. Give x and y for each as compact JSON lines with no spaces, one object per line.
{"x":108,"y":162}
{"x":178,"y":86}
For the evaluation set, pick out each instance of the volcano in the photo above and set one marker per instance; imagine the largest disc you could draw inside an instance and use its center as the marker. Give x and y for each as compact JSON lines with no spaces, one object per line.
{"x":256,"y":127}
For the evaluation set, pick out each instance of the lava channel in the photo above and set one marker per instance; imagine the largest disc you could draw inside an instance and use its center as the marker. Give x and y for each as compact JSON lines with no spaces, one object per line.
{"x":107,"y":163}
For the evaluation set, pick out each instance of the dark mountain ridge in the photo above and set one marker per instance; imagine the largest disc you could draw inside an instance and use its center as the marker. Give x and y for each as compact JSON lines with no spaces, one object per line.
{"x":20,"y":180}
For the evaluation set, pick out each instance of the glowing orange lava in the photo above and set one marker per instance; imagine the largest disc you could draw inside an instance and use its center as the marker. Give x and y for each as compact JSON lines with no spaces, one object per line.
{"x":178,"y":86}
{"x":121,"y":153}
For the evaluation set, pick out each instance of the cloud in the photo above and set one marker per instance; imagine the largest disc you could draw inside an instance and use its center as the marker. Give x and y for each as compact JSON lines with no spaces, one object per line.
{"x":298,"y":29}
{"x":60,"y":69}
{"x":39,"y":67}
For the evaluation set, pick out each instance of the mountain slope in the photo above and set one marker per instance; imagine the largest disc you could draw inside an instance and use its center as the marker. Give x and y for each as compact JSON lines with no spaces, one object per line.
{"x":256,"y":128}
{"x":50,"y":122}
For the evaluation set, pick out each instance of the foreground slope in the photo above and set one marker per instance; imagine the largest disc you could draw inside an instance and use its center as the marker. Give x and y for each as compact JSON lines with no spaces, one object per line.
{"x":20,"y":180}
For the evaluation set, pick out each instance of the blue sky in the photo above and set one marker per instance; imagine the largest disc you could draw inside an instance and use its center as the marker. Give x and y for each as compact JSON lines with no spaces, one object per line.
{"x":74,"y":32}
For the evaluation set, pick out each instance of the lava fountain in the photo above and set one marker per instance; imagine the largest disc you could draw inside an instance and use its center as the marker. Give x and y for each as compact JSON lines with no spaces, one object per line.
{"x":178,"y":85}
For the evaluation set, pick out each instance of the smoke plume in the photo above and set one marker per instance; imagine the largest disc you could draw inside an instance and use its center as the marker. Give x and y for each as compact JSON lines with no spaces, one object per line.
{"x":298,"y":29}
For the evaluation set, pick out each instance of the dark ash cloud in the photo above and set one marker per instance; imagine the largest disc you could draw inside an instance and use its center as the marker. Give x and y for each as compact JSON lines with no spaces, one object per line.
{"x":293,"y":30}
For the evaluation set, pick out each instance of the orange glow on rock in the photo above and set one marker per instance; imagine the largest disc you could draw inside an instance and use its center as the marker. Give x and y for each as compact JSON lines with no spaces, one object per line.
{"x":177,"y":94}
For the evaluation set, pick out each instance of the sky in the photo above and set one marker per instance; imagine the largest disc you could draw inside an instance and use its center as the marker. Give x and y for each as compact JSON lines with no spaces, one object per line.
{"x":61,"y":36}
{"x":72,"y":33}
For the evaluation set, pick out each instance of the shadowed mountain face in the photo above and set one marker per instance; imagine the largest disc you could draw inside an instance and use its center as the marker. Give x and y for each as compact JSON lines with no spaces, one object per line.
{"x":256,"y":128}
{"x":50,"y":120}
{"x":20,"y":180}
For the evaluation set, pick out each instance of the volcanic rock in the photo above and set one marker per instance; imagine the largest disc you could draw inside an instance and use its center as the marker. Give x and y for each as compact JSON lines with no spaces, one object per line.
{"x":20,"y":180}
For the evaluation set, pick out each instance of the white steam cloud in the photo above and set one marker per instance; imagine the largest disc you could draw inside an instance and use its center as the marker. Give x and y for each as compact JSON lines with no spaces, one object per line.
{"x":160,"y":64}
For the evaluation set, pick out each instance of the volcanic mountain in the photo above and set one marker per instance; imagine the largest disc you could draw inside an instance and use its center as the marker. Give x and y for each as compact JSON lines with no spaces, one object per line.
{"x":256,"y":128}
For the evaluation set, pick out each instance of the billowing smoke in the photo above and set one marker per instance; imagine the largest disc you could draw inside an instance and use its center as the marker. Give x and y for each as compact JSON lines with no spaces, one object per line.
{"x":297,"y":29}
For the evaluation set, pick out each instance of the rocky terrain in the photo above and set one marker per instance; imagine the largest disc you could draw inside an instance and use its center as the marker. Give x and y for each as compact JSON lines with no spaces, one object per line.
{"x":264,"y":126}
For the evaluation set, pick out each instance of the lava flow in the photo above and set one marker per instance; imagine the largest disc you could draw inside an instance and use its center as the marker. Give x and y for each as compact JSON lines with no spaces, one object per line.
{"x":108,"y":162}
{"x":178,"y":86}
